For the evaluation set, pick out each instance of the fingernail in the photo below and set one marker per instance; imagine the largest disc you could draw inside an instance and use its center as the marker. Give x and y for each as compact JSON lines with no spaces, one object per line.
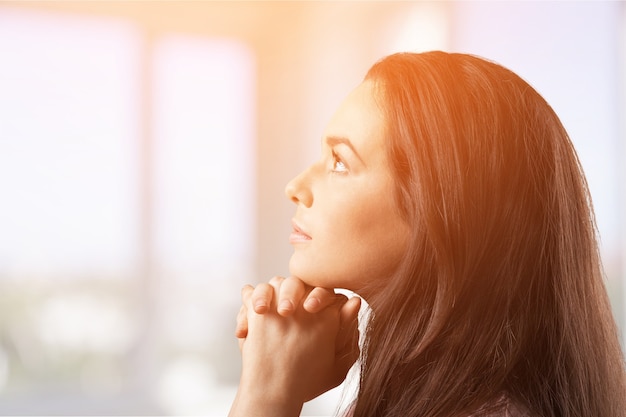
{"x":285,"y":305}
{"x":311,"y":303}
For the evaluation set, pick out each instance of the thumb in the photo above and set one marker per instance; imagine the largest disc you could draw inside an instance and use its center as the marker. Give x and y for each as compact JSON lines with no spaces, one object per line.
{"x":347,"y":342}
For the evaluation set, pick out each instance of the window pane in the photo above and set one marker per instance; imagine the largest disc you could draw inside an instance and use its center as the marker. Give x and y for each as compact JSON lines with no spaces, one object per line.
{"x":68,"y":130}
{"x":204,"y":154}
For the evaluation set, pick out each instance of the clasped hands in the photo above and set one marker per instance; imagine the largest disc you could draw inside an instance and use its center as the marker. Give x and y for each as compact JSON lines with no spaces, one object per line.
{"x":296,"y":342}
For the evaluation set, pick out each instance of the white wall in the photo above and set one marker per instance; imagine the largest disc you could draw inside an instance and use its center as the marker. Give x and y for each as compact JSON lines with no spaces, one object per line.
{"x":570,"y":52}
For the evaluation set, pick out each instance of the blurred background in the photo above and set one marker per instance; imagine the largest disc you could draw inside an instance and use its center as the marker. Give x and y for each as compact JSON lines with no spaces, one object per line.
{"x":144,"y":149}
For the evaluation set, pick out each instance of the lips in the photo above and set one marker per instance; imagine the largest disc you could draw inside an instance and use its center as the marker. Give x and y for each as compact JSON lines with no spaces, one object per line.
{"x":298,"y":235}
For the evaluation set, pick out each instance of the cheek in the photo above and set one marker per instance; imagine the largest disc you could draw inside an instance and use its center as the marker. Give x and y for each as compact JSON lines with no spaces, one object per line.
{"x":360,"y":244}
{"x":374,"y":251}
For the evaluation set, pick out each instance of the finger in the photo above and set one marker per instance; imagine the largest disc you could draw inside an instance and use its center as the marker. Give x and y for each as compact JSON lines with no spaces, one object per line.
{"x":246,"y":292}
{"x":276,"y":283}
{"x":338,"y":301}
{"x":318,"y":299}
{"x":292,"y":291}
{"x":241,"y":330}
{"x":348,"y":325}
{"x":350,"y":311}
{"x":261,"y":298}
{"x":347,"y":344}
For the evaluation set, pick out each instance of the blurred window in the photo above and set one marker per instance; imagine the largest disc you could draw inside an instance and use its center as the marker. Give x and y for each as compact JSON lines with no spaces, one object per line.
{"x":127,"y":183}
{"x":68,"y":146}
{"x":204,"y":155}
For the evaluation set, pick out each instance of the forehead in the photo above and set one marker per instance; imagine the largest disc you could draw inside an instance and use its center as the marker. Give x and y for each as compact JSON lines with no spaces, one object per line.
{"x":359,"y":119}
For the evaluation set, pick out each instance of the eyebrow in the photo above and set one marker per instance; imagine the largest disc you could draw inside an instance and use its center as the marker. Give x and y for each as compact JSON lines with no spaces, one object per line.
{"x":337,"y":140}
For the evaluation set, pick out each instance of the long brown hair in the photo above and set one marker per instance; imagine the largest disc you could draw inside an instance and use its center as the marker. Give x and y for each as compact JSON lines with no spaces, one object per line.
{"x":500,"y":295}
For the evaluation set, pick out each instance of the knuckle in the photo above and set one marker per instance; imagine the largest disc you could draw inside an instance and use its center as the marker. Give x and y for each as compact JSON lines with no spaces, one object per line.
{"x":323,"y":293}
{"x":288,"y":289}
{"x":261,"y":290}
{"x":293,"y":282}
{"x":276,"y":280}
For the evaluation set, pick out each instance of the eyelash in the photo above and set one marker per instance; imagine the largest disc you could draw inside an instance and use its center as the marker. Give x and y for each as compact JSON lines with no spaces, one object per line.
{"x":337,"y":160}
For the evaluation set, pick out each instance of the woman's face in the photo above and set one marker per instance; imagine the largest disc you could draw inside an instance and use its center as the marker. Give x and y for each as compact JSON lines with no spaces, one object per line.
{"x":347,"y":230}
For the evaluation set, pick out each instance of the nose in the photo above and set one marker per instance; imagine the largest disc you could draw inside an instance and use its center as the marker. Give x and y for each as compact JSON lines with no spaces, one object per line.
{"x":298,"y":189}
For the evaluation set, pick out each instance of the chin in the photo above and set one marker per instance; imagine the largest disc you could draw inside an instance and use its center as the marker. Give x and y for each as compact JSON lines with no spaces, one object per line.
{"x":309,"y":279}
{"x":310,"y":276}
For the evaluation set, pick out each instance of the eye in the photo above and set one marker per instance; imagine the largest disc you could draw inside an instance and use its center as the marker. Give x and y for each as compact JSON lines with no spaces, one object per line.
{"x":338,"y":165}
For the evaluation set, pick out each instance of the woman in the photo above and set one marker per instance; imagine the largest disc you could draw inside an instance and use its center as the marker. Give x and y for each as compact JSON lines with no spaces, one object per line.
{"x":449,"y":197}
